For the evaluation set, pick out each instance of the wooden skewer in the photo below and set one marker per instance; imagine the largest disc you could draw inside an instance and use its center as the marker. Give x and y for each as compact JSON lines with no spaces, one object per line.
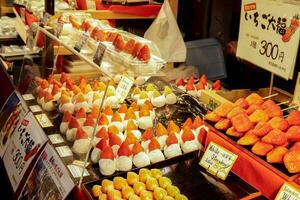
{"x":270,"y":96}
{"x":291,"y":107}
{"x":283,"y":103}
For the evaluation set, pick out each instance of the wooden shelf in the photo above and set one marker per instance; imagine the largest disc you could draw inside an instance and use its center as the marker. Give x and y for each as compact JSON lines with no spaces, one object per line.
{"x":6,"y":10}
{"x":107,"y":14}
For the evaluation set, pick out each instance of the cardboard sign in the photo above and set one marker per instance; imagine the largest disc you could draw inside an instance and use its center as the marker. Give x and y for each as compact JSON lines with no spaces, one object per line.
{"x":269,"y":35}
{"x":296,"y":98}
{"x":98,"y":57}
{"x":124,"y":87}
{"x":13,"y":111}
{"x":49,"y":179}
{"x":28,"y":138}
{"x":82,"y":41}
{"x":288,"y":192}
{"x":217,"y":160}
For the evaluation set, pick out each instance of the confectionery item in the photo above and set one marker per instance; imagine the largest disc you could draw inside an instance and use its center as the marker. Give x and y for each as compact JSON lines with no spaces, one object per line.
{"x":107,"y":162}
{"x":172,"y":148}
{"x":124,"y":159}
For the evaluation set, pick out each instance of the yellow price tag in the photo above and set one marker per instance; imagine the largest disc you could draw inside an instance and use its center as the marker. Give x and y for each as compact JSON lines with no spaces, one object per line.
{"x":43,"y":120}
{"x":217,"y":160}
{"x":288,"y":192}
{"x":124,"y":87}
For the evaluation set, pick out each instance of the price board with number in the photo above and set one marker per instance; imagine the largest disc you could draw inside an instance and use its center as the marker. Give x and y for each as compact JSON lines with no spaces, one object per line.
{"x":269,"y":35}
{"x":217,"y":160}
{"x":288,"y":192}
{"x":28,"y":138}
{"x":124,"y":87}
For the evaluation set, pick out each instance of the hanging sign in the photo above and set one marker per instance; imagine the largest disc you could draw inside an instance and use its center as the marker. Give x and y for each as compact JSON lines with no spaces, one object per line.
{"x":28,"y":138}
{"x":217,"y":160}
{"x":49,"y":179}
{"x":269,"y":35}
{"x":288,"y":192}
{"x":296,"y":98}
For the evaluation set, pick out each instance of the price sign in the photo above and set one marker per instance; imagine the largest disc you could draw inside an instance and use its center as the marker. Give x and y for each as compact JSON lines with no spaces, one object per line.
{"x":35,"y":108}
{"x":26,"y":142}
{"x":28,"y":97}
{"x":31,"y":35}
{"x":124,"y":87}
{"x":77,"y":170}
{"x":82,"y":41}
{"x":56,"y":138}
{"x":296,"y":98}
{"x":217,"y":160}
{"x":50,"y":178}
{"x":288,"y":192}
{"x":60,"y":26}
{"x":45,"y":19}
{"x":99,"y":54}
{"x":43,"y":120}
{"x":269,"y":35}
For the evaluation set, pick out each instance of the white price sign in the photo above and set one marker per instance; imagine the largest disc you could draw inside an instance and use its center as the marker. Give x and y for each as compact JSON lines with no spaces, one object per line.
{"x":288,"y":192}
{"x":124,"y":87}
{"x":296,"y":98}
{"x":27,"y":140}
{"x":217,"y":160}
{"x":269,"y":35}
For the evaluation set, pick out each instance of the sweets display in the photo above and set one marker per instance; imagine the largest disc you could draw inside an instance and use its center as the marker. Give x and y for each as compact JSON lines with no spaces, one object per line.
{"x":194,"y":86}
{"x":260,"y":123}
{"x":147,"y":184}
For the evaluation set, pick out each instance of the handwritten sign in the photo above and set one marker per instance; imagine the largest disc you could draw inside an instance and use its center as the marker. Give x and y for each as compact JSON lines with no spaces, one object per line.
{"x":124,"y":87}
{"x":288,"y":192}
{"x":98,"y":57}
{"x":296,"y":98}
{"x":269,"y":35}
{"x":26,"y":142}
{"x":49,"y":179}
{"x":217,"y":160}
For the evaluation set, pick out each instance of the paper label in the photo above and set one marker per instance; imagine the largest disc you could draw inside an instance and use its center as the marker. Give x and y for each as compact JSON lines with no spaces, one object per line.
{"x":76,"y":171}
{"x":49,"y":179}
{"x":80,"y":163}
{"x":82,"y":41}
{"x":124,"y":87}
{"x":26,"y":142}
{"x":288,"y":192}
{"x":56,"y":138}
{"x":64,"y":151}
{"x":296,"y":98}
{"x":28,"y":97}
{"x":43,"y":120}
{"x":217,"y":160}
{"x":98,"y":57}
{"x":269,"y":35}
{"x":35,"y":108}
{"x":31,"y":36}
